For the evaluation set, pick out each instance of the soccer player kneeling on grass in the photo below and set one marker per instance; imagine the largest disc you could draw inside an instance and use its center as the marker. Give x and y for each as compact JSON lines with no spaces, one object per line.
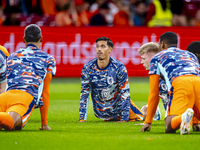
{"x":180,"y":71}
{"x":194,"y":48}
{"x":107,"y":80}
{"x":29,"y":72}
{"x":147,"y":51}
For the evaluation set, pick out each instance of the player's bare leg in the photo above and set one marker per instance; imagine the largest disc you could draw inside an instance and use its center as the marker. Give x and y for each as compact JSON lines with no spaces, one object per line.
{"x":17,"y":120}
{"x":195,"y":123}
{"x":168,"y":128}
{"x":196,"y":127}
{"x":157,"y":115}
{"x":144,"y":110}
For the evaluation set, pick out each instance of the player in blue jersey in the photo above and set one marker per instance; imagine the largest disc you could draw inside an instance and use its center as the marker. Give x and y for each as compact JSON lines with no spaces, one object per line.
{"x":180,"y":71}
{"x":147,"y":52}
{"x":194,"y":48}
{"x":29,"y":72}
{"x":107,"y":80}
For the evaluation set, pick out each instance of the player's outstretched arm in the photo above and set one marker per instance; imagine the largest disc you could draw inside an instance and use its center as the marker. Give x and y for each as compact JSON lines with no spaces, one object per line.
{"x":153,"y":101}
{"x":146,"y":127}
{"x":84,"y":97}
{"x":124,"y":91}
{"x":46,"y":99}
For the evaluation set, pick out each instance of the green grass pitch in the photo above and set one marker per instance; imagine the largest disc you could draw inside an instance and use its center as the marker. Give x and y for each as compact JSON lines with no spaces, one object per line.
{"x":68,"y":134}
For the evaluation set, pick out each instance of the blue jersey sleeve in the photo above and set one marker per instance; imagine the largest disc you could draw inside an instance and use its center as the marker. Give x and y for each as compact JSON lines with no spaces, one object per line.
{"x":84,"y":97}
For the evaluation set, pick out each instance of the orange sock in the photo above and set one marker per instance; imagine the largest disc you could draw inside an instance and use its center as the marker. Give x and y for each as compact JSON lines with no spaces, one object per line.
{"x":175,"y":122}
{"x":6,"y":121}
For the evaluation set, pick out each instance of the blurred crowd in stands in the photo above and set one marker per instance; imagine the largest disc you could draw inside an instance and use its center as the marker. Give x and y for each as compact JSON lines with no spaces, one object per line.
{"x":120,"y":13}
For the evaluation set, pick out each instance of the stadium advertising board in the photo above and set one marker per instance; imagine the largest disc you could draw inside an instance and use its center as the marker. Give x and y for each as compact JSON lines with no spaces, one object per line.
{"x":73,"y":47}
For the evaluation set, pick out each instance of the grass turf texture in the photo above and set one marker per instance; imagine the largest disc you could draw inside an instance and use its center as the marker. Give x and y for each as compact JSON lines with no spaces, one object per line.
{"x":67,"y":133}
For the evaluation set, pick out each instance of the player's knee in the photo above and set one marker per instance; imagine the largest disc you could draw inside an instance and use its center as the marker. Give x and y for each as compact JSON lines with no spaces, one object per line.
{"x":168,"y":128}
{"x":17,"y":120}
{"x":144,"y":109}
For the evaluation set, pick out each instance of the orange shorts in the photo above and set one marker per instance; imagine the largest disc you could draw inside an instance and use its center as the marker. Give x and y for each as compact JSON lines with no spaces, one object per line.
{"x":135,"y":113}
{"x":17,"y":101}
{"x":185,"y":94}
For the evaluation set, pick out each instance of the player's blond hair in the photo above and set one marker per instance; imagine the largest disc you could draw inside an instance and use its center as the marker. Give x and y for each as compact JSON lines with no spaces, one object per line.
{"x":148,"y":47}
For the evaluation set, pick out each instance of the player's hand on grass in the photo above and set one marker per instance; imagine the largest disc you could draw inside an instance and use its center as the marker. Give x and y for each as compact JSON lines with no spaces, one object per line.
{"x":82,"y":120}
{"x":146,"y":127}
{"x":45,"y":127}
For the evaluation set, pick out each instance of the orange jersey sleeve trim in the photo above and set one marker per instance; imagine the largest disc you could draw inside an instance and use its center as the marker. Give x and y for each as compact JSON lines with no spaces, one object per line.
{"x":46,"y":99}
{"x":153,"y":98}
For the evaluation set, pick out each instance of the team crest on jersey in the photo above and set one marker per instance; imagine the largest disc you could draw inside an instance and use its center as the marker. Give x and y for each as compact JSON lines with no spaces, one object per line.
{"x":164,"y":87}
{"x":110,"y":80}
{"x":105,"y":93}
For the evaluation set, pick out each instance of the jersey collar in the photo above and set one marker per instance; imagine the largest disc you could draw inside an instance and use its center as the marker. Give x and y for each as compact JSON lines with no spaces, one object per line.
{"x":33,"y":47}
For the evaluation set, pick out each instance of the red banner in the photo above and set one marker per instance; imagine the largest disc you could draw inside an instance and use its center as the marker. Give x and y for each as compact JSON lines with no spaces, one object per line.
{"x":73,"y":47}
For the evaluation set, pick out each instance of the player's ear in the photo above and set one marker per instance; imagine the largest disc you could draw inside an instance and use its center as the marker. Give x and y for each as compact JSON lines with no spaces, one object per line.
{"x":40,"y":40}
{"x":198,"y":56}
{"x":110,"y":49}
{"x":162,"y":45}
{"x":24,"y":40}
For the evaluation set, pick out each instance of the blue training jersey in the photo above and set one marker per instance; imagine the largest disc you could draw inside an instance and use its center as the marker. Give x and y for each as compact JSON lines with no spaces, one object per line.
{"x":109,"y":89}
{"x":27,"y":69}
{"x":172,"y":63}
{"x":2,"y":67}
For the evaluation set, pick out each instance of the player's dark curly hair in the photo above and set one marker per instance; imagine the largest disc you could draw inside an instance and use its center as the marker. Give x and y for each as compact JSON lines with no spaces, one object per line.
{"x":32,"y":33}
{"x":109,"y":42}
{"x":194,"y":47}
{"x":170,"y":38}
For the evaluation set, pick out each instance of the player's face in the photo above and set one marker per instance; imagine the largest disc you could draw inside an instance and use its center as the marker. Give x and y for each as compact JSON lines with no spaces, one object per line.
{"x":103,"y":50}
{"x":146,"y":59}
